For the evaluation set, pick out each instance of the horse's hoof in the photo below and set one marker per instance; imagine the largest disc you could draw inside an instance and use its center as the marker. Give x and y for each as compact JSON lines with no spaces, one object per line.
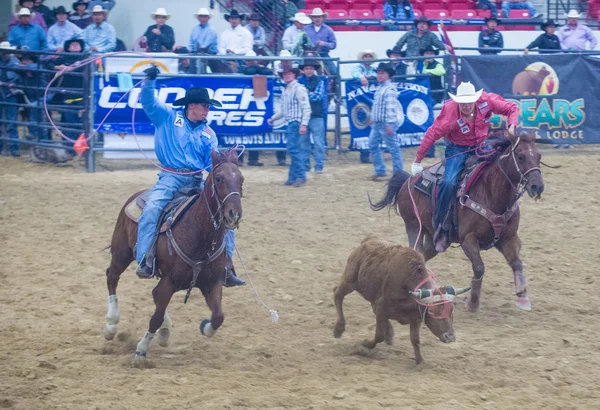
{"x":163,"y":337}
{"x":141,"y":361}
{"x":473,"y":306}
{"x":389,"y":340}
{"x":338,"y":331}
{"x":368,"y":344}
{"x":110,"y":331}
{"x":206,"y":328}
{"x":523,"y":303}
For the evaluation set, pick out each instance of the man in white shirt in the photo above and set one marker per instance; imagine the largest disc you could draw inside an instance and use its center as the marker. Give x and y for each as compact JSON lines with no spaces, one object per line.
{"x":235,"y":40}
{"x":291,"y":34}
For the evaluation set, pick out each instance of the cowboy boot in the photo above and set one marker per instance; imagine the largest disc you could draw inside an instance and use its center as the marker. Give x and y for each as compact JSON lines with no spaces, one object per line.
{"x":231,"y":279}
{"x":145,"y":270}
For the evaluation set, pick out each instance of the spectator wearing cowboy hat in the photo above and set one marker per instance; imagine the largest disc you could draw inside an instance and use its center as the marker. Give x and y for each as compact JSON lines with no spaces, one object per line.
{"x":204,"y":38}
{"x":546,"y":41}
{"x":292,"y":33}
{"x":100,"y":37}
{"x":396,"y":55}
{"x":296,"y":112}
{"x":420,"y":38}
{"x":490,"y":37}
{"x":253,"y":67}
{"x":258,"y":34}
{"x":160,"y":37}
{"x":235,"y":39}
{"x":364,"y":72}
{"x":8,"y":81}
{"x":385,"y":122}
{"x":575,"y":36}
{"x":322,"y":37}
{"x":316,"y":126}
{"x":508,"y":5}
{"x":80,"y":16}
{"x":49,"y":15}
{"x":435,"y":70}
{"x":35,"y":17}
{"x":27,"y":35}
{"x":61,"y":31}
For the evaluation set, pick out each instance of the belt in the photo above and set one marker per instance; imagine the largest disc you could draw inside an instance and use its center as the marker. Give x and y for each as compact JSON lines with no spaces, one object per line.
{"x":183,"y":170}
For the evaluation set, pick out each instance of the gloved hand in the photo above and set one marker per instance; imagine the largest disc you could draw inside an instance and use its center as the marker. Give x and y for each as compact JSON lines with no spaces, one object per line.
{"x":416,"y":168}
{"x":152,"y":72}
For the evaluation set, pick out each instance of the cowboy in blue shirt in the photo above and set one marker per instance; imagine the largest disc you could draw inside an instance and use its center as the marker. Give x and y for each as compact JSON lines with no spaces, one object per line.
{"x":182,"y":141}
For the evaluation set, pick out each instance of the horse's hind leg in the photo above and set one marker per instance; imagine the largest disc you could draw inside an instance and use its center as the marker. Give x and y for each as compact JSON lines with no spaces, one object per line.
{"x":511,"y":249}
{"x":470,"y":246}
{"x":164,"y":333}
{"x":118,"y":264}
{"x":162,"y":294}
{"x":213,"y":300}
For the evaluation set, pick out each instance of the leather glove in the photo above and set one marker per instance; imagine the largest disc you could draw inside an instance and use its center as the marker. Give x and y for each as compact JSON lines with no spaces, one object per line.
{"x":416,"y":168}
{"x":152,"y":72}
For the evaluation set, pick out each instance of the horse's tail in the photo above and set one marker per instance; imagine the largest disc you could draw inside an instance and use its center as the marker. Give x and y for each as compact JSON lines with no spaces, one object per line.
{"x":391,"y":195}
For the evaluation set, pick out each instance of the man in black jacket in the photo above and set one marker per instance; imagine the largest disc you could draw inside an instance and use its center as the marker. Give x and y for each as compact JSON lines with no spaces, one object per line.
{"x":546,"y":41}
{"x":490,"y":37}
{"x":159,"y":36}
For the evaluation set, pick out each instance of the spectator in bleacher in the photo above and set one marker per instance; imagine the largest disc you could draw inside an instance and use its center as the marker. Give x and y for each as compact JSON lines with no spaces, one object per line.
{"x":80,"y":16}
{"x":160,"y":37}
{"x":284,"y":10}
{"x":235,"y":39}
{"x":393,"y":11}
{"x":488,"y":5}
{"x":490,"y":37}
{"x":508,"y":5}
{"x":253,"y":67}
{"x":100,"y":37}
{"x":8,"y":81}
{"x":292,"y":33}
{"x":107,"y":5}
{"x":396,"y":55}
{"x":316,"y":126}
{"x":364,"y":72}
{"x":435,"y":70}
{"x":35,"y":17}
{"x":384,"y":123}
{"x":61,"y":31}
{"x":547,"y":40}
{"x":322,"y":37}
{"x":419,"y":38}
{"x":575,"y":36}
{"x":258,"y":34}
{"x":49,"y":15}
{"x":34,"y":94}
{"x":204,"y":38}
{"x":185,"y":64}
{"x":25,"y":34}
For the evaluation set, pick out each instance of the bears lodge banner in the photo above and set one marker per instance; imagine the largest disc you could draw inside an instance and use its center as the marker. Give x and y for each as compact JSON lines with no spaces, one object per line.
{"x":557,"y":94}
{"x":416,"y":116}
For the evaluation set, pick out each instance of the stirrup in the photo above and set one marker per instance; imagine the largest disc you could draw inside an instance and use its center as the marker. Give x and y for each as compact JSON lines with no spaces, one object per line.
{"x":231,"y":279}
{"x":441,"y":239}
{"x":143,"y":271}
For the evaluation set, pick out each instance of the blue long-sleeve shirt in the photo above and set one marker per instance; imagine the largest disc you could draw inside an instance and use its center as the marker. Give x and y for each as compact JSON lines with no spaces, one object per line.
{"x":325,"y":34}
{"x":103,"y":37}
{"x":178,"y":143}
{"x":57,"y":34}
{"x":204,"y":36}
{"x":31,"y":36}
{"x":401,"y":11}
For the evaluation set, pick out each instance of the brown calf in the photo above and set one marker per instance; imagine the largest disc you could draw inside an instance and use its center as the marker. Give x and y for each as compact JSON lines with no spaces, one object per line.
{"x":386,"y":275}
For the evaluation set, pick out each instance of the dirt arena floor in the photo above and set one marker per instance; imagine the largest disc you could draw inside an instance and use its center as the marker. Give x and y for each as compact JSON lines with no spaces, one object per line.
{"x":56,"y":220}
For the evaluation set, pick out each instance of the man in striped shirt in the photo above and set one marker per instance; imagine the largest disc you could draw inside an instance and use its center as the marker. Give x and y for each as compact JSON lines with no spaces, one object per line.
{"x":316,"y":93}
{"x":385,"y":122}
{"x":296,"y":111}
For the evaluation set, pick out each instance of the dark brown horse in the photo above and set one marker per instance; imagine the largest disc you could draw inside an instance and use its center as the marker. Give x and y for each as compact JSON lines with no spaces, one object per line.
{"x":198,"y":241}
{"x":515,"y":168}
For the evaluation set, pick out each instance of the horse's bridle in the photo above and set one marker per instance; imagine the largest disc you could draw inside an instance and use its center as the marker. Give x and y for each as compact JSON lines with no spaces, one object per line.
{"x":218,"y":216}
{"x":522,"y":175}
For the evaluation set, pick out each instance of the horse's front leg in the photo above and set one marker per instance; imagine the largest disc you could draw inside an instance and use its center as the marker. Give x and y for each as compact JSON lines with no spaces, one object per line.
{"x":511,"y":250}
{"x":470,"y":246}
{"x":162,"y":294}
{"x":213,"y":300}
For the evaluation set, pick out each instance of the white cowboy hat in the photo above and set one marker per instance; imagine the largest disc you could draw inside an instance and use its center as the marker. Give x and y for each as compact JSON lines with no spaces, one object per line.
{"x":161,"y":12}
{"x":23,"y":12}
{"x":301,"y":18}
{"x":203,"y":11}
{"x":99,"y":9}
{"x":367,"y":51}
{"x":465,"y":93}
{"x":5,"y":45}
{"x":285,"y":53}
{"x":573,"y":14}
{"x":250,"y":53}
{"x":317,"y":12}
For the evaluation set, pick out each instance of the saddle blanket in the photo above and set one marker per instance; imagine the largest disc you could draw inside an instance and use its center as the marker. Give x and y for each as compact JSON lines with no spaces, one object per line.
{"x":175,"y":209}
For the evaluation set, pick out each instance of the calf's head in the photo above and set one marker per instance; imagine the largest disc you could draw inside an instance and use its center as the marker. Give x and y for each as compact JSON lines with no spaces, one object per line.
{"x":437,"y":315}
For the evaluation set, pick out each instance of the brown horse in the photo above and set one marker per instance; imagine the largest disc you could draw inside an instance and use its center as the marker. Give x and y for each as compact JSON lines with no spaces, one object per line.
{"x":199,"y":259}
{"x":515,"y":168}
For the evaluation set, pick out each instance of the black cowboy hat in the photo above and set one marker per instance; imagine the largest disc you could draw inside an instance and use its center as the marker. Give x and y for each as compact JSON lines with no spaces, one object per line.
{"x":430,"y":49}
{"x":312,"y":63}
{"x":387,"y":67}
{"x":255,"y":16}
{"x":492,"y":18}
{"x":23,"y":1}
{"x":396,"y":50}
{"x":422,"y":19}
{"x":196,"y":95}
{"x":294,"y":70}
{"x":60,"y":10}
{"x":549,"y":22}
{"x":78,"y":3}
{"x":235,"y":14}
{"x":74,"y":40}
{"x":182,"y":50}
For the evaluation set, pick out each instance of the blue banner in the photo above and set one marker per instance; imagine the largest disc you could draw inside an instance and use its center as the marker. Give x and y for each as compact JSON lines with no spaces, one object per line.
{"x":241,"y":114}
{"x":417,"y":106}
